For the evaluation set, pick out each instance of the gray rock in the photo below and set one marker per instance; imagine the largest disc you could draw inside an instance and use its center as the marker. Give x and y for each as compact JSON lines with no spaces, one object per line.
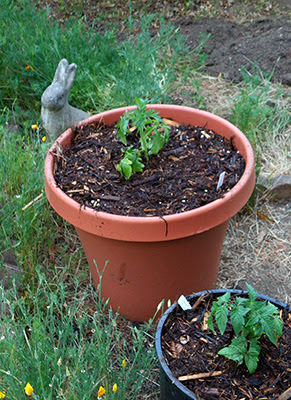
{"x":281,"y":187}
{"x":286,"y":79}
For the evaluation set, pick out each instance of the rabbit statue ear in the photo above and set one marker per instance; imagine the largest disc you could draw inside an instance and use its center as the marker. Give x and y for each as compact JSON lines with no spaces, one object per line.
{"x":61,"y":70}
{"x":65,"y":74}
{"x":70,"y":76}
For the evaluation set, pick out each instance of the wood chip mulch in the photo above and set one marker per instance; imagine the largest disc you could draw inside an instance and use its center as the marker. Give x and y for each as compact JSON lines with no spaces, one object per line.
{"x":183,"y":176}
{"x":190,"y":350}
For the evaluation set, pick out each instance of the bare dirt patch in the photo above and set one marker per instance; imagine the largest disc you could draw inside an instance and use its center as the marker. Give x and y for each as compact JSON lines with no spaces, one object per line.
{"x":232,"y":46}
{"x":241,"y":32}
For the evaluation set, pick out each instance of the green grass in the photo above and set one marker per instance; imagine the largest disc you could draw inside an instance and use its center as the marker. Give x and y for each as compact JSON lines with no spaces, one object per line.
{"x":21,"y":167}
{"x":66,"y":345}
{"x":111,"y":72}
{"x":37,"y":330}
{"x":257,"y":111}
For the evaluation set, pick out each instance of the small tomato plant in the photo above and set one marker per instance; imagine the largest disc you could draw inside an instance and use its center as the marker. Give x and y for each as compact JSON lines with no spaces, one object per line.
{"x":250,"y":318}
{"x":153,"y":133}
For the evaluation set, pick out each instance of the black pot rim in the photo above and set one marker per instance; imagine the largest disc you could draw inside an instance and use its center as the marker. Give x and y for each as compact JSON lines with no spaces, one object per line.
{"x":164,"y":317}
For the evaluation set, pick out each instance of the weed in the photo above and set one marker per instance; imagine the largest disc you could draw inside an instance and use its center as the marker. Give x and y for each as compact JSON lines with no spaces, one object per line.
{"x":253,"y":112}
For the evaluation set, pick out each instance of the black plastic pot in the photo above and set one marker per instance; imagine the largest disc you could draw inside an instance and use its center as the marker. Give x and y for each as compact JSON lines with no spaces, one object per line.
{"x":170,"y":387}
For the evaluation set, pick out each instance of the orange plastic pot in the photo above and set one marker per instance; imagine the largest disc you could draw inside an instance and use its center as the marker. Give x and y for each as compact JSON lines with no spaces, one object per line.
{"x":153,"y":258}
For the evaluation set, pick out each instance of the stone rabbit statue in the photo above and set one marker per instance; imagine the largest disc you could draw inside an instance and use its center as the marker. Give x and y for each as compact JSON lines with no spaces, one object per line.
{"x":56,"y":113}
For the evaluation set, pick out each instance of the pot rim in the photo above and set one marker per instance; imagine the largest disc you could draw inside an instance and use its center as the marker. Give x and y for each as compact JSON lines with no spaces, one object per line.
{"x":164,"y":317}
{"x":156,"y":228}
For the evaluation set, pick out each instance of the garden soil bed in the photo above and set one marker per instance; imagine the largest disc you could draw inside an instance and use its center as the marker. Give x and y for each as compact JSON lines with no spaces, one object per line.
{"x":241,"y":33}
{"x":190,"y":348}
{"x":183,"y":176}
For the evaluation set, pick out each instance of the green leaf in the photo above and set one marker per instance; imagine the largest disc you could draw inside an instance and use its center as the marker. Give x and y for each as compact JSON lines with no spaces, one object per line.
{"x":269,"y":310}
{"x":252,"y":293}
{"x":166,"y":133}
{"x":156,"y":143}
{"x":250,"y":318}
{"x":123,"y":126}
{"x":273,"y":327}
{"x":253,"y":318}
{"x":122,"y":136}
{"x":137,"y":165}
{"x":210,"y":317}
{"x":224,"y":298}
{"x":255,"y":331}
{"x":278,"y":323}
{"x":152,"y":131}
{"x":221,"y":317}
{"x":242,"y":301}
{"x":237,"y":318}
{"x":236,"y":350}
{"x":210,"y":322}
{"x":252,"y":356}
{"x":141,"y":104}
{"x":220,"y":310}
{"x":124,"y":168}
{"x":130,"y":163}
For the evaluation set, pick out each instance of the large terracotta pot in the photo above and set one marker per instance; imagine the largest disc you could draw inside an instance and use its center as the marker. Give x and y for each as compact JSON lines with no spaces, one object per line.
{"x":153,"y":258}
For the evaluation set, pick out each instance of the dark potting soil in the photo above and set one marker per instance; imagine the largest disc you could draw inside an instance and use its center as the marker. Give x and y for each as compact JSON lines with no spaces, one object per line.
{"x":183,"y":176}
{"x":190,"y":348}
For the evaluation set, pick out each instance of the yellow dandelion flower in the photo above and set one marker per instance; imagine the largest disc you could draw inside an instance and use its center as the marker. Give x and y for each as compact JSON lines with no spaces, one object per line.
{"x":2,"y":395}
{"x":28,"y":389}
{"x":114,"y":388}
{"x":34,"y":126}
{"x":59,"y":361}
{"x":101,"y":391}
{"x":43,"y":138}
{"x":123,"y":364}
